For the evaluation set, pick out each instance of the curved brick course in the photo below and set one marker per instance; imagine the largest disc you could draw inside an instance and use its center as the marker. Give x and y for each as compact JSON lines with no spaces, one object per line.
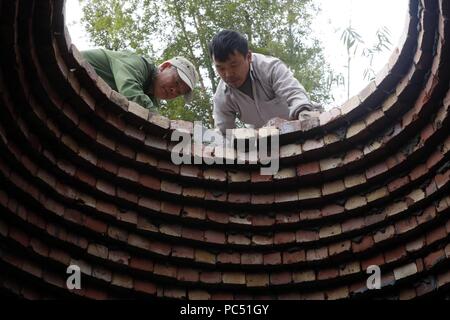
{"x":86,"y":179}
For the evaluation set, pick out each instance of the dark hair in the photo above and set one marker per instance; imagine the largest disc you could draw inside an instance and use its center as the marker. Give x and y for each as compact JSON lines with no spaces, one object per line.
{"x":225,"y":43}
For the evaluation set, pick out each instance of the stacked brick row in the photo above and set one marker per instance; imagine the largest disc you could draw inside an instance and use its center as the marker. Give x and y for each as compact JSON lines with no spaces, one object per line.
{"x":86,"y":179}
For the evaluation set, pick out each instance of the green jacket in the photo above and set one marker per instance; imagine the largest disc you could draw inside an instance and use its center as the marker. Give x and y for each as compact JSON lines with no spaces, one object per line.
{"x":127,"y":73}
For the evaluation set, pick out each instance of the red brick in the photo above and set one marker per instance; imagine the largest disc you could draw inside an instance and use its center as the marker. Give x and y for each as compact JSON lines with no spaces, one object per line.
{"x":307,"y":236}
{"x":257,"y":280}
{"x":150,"y":182}
{"x":317,"y":254}
{"x":215,"y":237}
{"x":427,"y":215}
{"x":395,"y":254}
{"x":308,"y":168}
{"x":340,"y":247}
{"x":434,"y":258}
{"x":108,"y":166}
{"x":183,"y":252}
{"x":145,"y":286}
{"x":272,"y":258}
{"x":205,"y":256}
{"x":284,"y":237}
{"x":193,"y":234}
{"x":377,"y":260}
{"x":363,"y":245}
{"x":211,"y":277}
{"x":96,"y":225}
{"x":262,"y":240}
{"x":311,"y":144}
{"x":332,"y":210}
{"x":229,"y":258}
{"x":160,"y":248}
{"x":165,"y":270}
{"x":189,"y":275}
{"x":197,"y":213}
{"x":294,"y":257}
{"x":19,"y":236}
{"x":238,"y":239}
{"x":281,"y":278}
{"x":353,"y":155}
{"x":353,"y":224}
{"x":252,"y":258}
{"x":326,"y":274}
{"x":263,"y":220}
{"x":384,"y":234}
{"x":418,"y":172}
{"x":152,"y":204}
{"x":312,"y":214}
{"x":171,"y":208}
{"x":406,"y":225}
{"x":376,"y":170}
{"x":333,"y":187}
{"x":398,"y":183}
{"x":233,"y":278}
{"x":436,"y":235}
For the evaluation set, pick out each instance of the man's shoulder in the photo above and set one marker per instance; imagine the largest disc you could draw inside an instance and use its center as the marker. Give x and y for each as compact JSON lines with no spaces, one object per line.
{"x":262,"y":60}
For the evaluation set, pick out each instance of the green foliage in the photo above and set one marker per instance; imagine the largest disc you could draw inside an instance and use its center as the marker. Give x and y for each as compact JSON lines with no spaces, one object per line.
{"x":167,"y":28}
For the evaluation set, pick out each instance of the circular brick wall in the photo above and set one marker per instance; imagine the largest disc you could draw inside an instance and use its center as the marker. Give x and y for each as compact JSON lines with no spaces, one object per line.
{"x":86,"y":179}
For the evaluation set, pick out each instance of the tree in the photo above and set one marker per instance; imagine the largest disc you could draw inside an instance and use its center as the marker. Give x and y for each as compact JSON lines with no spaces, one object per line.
{"x":167,"y":28}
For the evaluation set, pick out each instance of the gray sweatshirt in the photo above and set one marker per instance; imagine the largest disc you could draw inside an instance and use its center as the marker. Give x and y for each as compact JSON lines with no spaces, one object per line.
{"x":276,"y":94}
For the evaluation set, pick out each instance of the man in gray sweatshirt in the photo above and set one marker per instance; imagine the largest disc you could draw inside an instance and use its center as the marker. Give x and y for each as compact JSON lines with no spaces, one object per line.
{"x":254,"y":88}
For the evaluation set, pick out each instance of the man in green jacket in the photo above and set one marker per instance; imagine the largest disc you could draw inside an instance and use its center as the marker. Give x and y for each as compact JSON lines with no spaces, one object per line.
{"x":141,"y":81}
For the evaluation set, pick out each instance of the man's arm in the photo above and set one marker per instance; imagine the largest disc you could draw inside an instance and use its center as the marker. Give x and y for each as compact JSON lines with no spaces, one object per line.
{"x":286,"y":86}
{"x":223,"y":114}
{"x":129,"y":81}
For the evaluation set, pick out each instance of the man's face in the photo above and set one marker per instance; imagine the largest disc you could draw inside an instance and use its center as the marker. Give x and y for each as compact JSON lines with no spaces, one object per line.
{"x":168,"y":84}
{"x":234,"y":70}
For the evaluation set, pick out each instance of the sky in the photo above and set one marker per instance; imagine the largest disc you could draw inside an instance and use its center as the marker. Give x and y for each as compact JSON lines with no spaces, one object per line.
{"x":366,"y":16}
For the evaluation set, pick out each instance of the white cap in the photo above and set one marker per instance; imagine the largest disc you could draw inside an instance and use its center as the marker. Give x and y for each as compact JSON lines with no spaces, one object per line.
{"x":187,"y":73}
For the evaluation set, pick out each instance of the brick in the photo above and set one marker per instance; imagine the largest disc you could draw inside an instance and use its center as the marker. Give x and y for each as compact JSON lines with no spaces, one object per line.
{"x":418,"y":172}
{"x":376,"y":170}
{"x":243,"y":198}
{"x":333,"y":187}
{"x":284,"y":237}
{"x":19,"y":236}
{"x":280,"y":278}
{"x":362,"y":245}
{"x":308,"y":168}
{"x":434,"y":258}
{"x":353,"y":156}
{"x":141,"y":264}
{"x":215,"y":237}
{"x":214,"y":195}
{"x":349,"y":268}
{"x":355,"y":128}
{"x":330,"y":231}
{"x":175,"y":293}
{"x":252,"y":258}
{"x":427,"y":215}
{"x":304,"y":276}
{"x":443,"y":279}
{"x":233,"y":278}
{"x":425,"y":286}
{"x":152,"y":204}
{"x":312,"y":214}
{"x":436,"y":235}
{"x":354,"y":180}
{"x":150,"y":182}
{"x":160,"y":248}
{"x":205,"y":256}
{"x":189,"y":275}
{"x":96,"y":225}
{"x":241,"y":220}
{"x":331,"y":210}
{"x":145,"y":224}
{"x":165,"y":270}
{"x":330,"y":163}
{"x":306,"y":236}
{"x":272,"y":258}
{"x":406,"y":225}
{"x":377,"y":194}
{"x":340,"y":247}
{"x":312,"y":144}
{"x":327,"y":274}
{"x":197,"y":213}
{"x":317,"y":254}
{"x":147,"y":159}
{"x":355,"y":202}
{"x":398,"y":183}
{"x":262,"y":240}
{"x":238,"y":176}
{"x":257,"y":280}
{"x":309,"y":193}
{"x":171,"y":208}
{"x":294,"y":257}
{"x":238,"y":239}
{"x":415,"y":245}
{"x":60,"y":256}
{"x":183,"y":252}
{"x":196,"y":295}
{"x":353,"y":224}
{"x":119,"y":257}
{"x":198,"y":193}
{"x":396,"y":208}
{"x":337,"y":294}
{"x":145,"y":286}
{"x":384,"y":234}
{"x":98,"y":250}
{"x":377,"y":260}
{"x":395,"y":254}
{"x":121,"y":280}
{"x":216,"y":216}
{"x":117,"y":233}
{"x":229,"y":258}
